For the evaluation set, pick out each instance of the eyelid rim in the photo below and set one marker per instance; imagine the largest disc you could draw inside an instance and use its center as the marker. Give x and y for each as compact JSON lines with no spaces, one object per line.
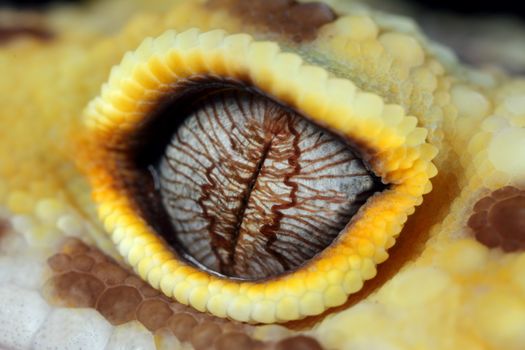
{"x":389,"y":141}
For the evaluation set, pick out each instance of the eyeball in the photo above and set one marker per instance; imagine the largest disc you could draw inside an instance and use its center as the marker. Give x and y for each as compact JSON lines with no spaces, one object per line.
{"x":244,"y":182}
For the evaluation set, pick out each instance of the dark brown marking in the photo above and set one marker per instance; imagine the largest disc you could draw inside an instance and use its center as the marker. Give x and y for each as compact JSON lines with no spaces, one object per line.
{"x":237,"y":341}
{"x":15,"y":25}
{"x":123,"y":300}
{"x":154,"y":314}
{"x":59,"y":262}
{"x":83,"y":262}
{"x":272,"y":229}
{"x":498,"y":220}
{"x":182,"y":325}
{"x":300,"y":342}
{"x":109,"y":273}
{"x":73,"y":247}
{"x":296,"y":21}
{"x":204,"y":335}
{"x":76,"y":289}
{"x":134,"y":281}
{"x":147,"y":291}
{"x":4,"y":226}
{"x":118,"y":304}
{"x":11,"y":34}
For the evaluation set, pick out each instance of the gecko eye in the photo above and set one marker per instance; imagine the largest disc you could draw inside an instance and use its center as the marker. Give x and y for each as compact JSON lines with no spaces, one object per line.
{"x":249,"y":188}
{"x":245,"y":183}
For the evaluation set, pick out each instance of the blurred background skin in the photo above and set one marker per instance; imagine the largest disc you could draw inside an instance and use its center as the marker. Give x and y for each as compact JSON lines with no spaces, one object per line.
{"x":485,"y":34}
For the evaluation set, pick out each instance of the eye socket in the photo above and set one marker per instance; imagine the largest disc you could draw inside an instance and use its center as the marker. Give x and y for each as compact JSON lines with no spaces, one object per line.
{"x":246,"y":187}
{"x":118,"y":141}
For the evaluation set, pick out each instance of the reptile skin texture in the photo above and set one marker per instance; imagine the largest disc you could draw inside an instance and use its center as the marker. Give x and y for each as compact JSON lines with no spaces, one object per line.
{"x":425,"y":251}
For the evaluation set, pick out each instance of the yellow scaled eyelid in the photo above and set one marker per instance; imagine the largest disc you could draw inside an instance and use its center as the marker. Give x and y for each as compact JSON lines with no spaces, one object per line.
{"x":391,"y":143}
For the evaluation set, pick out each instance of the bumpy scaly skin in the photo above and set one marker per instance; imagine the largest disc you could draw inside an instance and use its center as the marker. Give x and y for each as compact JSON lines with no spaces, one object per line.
{"x":371,"y":77}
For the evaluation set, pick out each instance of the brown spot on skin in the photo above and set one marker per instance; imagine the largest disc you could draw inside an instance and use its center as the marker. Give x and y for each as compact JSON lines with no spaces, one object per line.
{"x":134,"y":281}
{"x":499,"y":219}
{"x":182,"y":325}
{"x":59,"y":262}
{"x":301,"y":21}
{"x":204,"y":335}
{"x":228,"y":326}
{"x":487,"y":237}
{"x":4,"y":226}
{"x":300,"y":342}
{"x":11,"y":34}
{"x":295,"y":20}
{"x":484,"y":204}
{"x":77,"y":289}
{"x":508,"y":217}
{"x":154,"y":314}
{"x":148,"y":292}
{"x":126,"y":297}
{"x":505,"y":192}
{"x":109,"y":273}
{"x":97,"y":256}
{"x":118,"y":304}
{"x":237,"y":341}
{"x":74,"y":247}
{"x":15,"y":25}
{"x":478,"y":220}
{"x":83,"y":263}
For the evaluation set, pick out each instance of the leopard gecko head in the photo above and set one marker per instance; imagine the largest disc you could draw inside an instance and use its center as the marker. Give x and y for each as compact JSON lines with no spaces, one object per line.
{"x":277,"y":174}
